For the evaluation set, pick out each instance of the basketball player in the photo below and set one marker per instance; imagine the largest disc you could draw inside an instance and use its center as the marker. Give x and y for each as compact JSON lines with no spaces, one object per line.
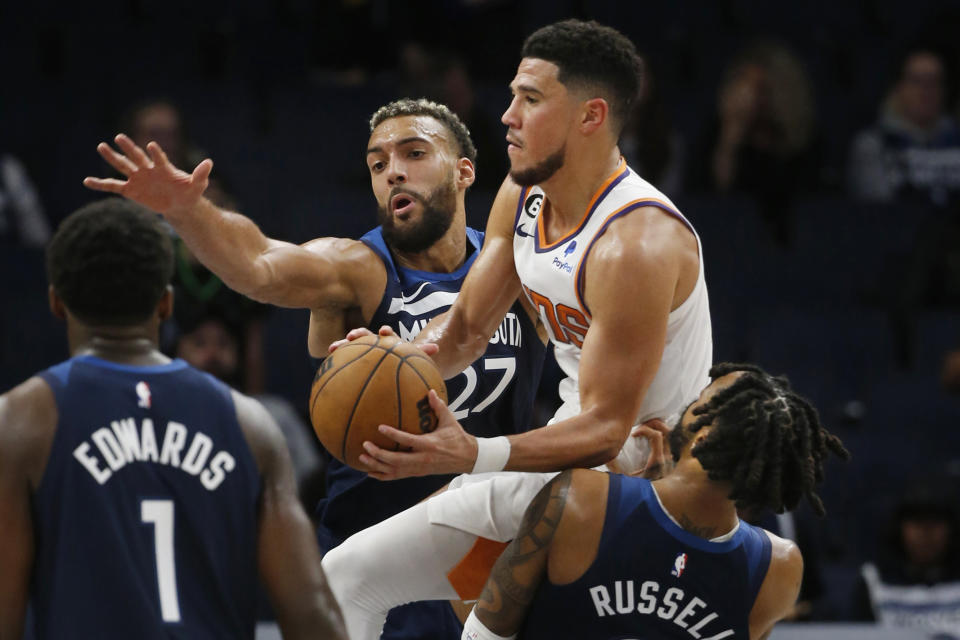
{"x":139,"y":497}
{"x":401,"y":274}
{"x":617,"y":275}
{"x":610,"y":556}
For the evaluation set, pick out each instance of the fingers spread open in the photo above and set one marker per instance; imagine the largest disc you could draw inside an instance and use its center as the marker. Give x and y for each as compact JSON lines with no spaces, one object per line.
{"x":116,"y":160}
{"x":157,"y":154}
{"x":110,"y":185}
{"x":134,"y":152}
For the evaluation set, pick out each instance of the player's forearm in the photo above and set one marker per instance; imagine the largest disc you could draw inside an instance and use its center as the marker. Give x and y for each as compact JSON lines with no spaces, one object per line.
{"x":582,"y":441}
{"x":227,"y":243}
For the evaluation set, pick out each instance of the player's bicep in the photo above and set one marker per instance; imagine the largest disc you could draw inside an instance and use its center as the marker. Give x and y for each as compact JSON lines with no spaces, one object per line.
{"x":629,"y":293}
{"x":322,"y":271}
{"x":16,"y":530}
{"x":780,"y":589}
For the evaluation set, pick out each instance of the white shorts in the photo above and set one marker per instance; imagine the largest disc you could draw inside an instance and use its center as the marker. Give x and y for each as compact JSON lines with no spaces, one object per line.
{"x":489,"y":505}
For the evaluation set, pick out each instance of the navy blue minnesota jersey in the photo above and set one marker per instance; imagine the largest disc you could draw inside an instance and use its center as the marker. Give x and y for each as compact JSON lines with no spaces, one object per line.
{"x":146,"y":516}
{"x":652,"y":580}
{"x":492,"y":397}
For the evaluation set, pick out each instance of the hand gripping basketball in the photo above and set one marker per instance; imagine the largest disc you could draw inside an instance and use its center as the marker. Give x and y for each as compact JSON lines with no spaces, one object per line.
{"x":371,"y":381}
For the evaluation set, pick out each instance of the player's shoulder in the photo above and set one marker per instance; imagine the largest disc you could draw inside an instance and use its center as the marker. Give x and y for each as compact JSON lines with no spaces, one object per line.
{"x":780,"y":587}
{"x":640,"y":225}
{"x":584,"y":493}
{"x":576,"y":507}
{"x":28,"y":419}
{"x":30,"y":401}
{"x":785,"y":557}
{"x":345,"y":249}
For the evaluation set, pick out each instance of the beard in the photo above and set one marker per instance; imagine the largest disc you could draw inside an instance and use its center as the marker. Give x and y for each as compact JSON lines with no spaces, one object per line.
{"x":438,"y":210}
{"x":677,"y":439}
{"x":541,"y":172}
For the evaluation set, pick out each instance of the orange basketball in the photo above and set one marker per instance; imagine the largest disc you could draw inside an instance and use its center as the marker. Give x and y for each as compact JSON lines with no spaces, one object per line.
{"x":371,"y":381}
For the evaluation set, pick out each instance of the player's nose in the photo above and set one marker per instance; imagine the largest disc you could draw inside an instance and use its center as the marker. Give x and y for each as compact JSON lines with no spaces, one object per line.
{"x":509,"y":116}
{"x":396,"y":172}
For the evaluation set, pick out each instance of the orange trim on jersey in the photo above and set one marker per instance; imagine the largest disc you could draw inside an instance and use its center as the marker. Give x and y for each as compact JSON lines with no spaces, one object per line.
{"x":541,"y":235}
{"x":469,"y":576}
{"x":633,"y":204}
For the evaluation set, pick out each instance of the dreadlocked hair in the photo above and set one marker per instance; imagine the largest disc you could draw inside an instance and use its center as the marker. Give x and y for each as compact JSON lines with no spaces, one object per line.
{"x":765,"y":440}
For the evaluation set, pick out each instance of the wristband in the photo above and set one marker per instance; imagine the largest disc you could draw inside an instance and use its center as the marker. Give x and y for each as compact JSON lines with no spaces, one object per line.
{"x":473,"y":629}
{"x":492,"y":454}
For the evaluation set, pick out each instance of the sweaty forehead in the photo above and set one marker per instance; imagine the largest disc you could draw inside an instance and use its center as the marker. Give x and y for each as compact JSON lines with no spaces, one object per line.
{"x":395,"y":130}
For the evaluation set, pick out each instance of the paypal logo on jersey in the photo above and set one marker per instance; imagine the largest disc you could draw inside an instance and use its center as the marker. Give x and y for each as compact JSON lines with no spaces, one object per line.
{"x":563,"y":265}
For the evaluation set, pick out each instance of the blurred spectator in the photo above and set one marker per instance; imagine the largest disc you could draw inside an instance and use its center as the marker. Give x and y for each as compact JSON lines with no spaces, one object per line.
{"x":160,"y":120}
{"x":762,"y":140}
{"x":212,"y":342}
{"x":442,"y":76}
{"x":914,"y":149}
{"x":198,"y":290}
{"x":915,"y":580}
{"x":22,"y":220}
{"x":950,"y":372}
{"x":650,"y":143}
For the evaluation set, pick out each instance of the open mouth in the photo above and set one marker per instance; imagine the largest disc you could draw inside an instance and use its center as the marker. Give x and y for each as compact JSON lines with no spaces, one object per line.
{"x":401,"y":204}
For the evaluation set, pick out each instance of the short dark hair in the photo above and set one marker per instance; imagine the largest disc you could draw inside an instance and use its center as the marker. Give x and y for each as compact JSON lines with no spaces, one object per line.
{"x":110,"y":262}
{"x":424,"y":107}
{"x":765,"y":440}
{"x":593,"y":55}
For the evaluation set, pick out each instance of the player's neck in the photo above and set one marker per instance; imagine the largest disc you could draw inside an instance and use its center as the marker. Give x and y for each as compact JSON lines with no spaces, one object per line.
{"x":124,"y":345}
{"x":700,"y":506}
{"x":572,"y":188}
{"x":444,"y":256}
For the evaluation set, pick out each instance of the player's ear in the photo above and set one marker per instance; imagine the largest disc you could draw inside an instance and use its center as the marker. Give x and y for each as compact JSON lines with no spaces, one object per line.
{"x":165,"y":306}
{"x":595,"y":112}
{"x":466,"y":173}
{"x":700,"y":436}
{"x":57,"y":308}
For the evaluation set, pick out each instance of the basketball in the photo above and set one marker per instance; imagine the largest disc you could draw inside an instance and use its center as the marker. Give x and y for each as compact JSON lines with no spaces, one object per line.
{"x":371,"y":381}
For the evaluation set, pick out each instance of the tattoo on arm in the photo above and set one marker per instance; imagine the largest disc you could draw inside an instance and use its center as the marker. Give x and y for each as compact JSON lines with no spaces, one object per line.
{"x":519,"y":570}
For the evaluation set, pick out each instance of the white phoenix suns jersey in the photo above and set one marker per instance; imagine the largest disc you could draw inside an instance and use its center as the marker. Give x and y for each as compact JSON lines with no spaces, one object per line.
{"x":553,"y":278}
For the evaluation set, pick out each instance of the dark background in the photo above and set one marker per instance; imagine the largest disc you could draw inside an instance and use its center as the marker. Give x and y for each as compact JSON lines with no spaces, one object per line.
{"x":279,"y":94}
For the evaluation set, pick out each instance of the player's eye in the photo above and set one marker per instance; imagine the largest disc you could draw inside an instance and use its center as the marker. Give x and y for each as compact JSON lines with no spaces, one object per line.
{"x":376,"y":167}
{"x":417,"y":153}
{"x":531,"y":100}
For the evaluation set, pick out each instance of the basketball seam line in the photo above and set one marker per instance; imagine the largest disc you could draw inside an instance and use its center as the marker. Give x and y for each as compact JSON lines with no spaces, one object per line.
{"x":316,"y":393}
{"x":356,"y":403}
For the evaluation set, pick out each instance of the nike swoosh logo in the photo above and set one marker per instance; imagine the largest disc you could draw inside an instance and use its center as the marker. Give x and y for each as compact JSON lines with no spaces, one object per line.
{"x":522,"y":233}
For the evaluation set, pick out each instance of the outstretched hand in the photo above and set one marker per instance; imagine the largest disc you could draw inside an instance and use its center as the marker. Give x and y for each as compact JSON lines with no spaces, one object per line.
{"x":447,"y":449}
{"x":151,"y":180}
{"x":428,"y":348}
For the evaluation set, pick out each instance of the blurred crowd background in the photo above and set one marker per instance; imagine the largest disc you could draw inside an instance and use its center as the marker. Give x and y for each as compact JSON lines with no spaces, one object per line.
{"x":814,"y":146}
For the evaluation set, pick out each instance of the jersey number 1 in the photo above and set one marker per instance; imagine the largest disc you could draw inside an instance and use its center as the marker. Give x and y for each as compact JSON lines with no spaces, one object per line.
{"x":159,"y":513}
